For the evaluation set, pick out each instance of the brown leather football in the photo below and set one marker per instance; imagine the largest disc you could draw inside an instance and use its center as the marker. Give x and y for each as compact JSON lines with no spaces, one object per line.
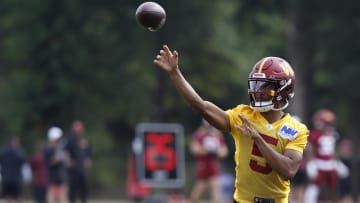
{"x":151,"y":16}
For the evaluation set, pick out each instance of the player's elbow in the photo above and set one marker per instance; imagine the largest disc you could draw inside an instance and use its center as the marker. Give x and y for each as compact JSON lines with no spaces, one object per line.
{"x":288,"y":174}
{"x":291,"y":164}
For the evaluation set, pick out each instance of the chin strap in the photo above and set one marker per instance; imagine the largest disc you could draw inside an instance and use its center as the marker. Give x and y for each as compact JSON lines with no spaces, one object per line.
{"x":281,"y":108}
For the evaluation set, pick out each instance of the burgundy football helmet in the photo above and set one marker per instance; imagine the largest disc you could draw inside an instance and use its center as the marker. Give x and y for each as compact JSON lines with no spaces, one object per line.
{"x":324,"y":118}
{"x":271,"y":84}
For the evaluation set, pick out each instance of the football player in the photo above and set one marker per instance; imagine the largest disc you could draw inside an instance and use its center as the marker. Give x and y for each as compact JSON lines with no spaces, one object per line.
{"x":323,"y":168}
{"x":208,"y":147}
{"x":269,"y":143}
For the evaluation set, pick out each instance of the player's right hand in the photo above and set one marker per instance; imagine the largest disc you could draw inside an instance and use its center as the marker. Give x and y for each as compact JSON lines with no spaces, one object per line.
{"x":167,"y":60}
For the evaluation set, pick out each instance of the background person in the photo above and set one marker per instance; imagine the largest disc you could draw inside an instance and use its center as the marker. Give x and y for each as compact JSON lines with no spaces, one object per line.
{"x":323,"y":169}
{"x":56,"y":162}
{"x":208,"y":146}
{"x":39,"y":174}
{"x":12,"y":161}
{"x":79,"y":150}
{"x":346,"y":154}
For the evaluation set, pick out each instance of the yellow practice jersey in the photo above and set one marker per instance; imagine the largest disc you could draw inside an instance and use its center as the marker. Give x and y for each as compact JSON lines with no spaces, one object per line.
{"x":254,"y":177}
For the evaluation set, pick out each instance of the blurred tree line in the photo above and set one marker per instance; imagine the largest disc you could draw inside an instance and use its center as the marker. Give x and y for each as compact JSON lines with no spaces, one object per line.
{"x":89,"y":60}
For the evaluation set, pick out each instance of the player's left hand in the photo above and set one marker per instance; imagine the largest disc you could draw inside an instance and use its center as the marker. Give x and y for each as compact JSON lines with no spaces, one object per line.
{"x":247,"y":129}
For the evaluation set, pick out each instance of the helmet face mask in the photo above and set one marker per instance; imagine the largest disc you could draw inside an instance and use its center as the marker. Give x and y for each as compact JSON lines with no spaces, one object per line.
{"x":261,"y":94}
{"x":271,"y":84}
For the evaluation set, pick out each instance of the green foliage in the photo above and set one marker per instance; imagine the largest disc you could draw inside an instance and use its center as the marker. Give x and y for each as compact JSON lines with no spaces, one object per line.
{"x":103,"y":173}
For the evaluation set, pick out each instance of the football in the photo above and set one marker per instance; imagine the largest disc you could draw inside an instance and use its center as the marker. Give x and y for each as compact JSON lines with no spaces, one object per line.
{"x":151,"y":16}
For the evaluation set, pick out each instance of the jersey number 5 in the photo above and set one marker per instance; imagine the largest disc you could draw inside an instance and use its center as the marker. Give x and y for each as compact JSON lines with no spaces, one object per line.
{"x":255,"y":151}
